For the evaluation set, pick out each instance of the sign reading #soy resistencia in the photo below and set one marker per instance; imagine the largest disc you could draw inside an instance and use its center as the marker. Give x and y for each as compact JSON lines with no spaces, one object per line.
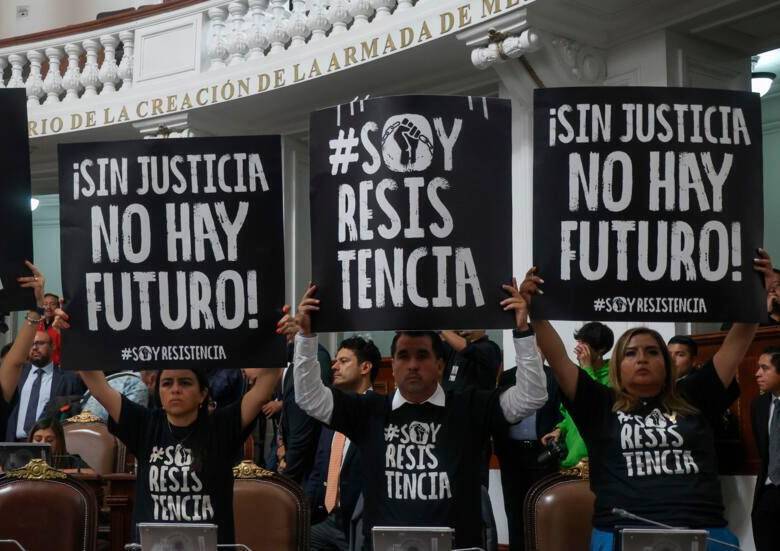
{"x":172,"y":253}
{"x":648,"y":204}
{"x":15,"y":217}
{"x":411,"y":213}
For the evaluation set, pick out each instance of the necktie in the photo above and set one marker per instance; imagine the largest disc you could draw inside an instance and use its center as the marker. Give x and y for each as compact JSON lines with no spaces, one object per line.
{"x":774,"y":444}
{"x":32,"y":404}
{"x":334,"y":470}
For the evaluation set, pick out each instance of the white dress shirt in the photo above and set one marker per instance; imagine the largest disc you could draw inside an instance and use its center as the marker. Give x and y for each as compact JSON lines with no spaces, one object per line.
{"x":528,"y":394}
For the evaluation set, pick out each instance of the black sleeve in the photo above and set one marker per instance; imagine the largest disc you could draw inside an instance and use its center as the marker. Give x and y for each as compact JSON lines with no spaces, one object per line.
{"x":351,"y":413}
{"x":227,"y":421}
{"x":132,"y":426}
{"x":591,"y":406}
{"x":704,"y":390}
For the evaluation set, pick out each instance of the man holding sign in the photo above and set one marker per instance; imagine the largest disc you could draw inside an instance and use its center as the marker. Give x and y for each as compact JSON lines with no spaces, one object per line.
{"x":421,"y":447}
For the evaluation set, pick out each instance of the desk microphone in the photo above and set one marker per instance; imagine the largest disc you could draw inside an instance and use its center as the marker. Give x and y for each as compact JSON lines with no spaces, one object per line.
{"x":625,"y":514}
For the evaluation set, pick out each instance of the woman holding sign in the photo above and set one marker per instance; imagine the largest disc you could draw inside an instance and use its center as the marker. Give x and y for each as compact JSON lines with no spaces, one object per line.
{"x":651,"y":443}
{"x":185,"y":454}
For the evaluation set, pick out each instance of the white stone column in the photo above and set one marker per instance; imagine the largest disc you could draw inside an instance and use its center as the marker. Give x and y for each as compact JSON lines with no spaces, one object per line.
{"x":361,"y":11}
{"x":126,"y":64}
{"x":317,"y":20}
{"x":236,"y":39}
{"x":109,"y":72}
{"x":278,"y":34}
{"x":256,"y":31}
{"x":217,"y":52}
{"x":383,"y":7}
{"x":34,"y":83}
{"x":404,"y":5}
{"x":339,"y":16}
{"x":52,"y":84}
{"x":72,"y":79}
{"x":297,"y":25}
{"x":90,"y":76}
{"x":17,"y":64}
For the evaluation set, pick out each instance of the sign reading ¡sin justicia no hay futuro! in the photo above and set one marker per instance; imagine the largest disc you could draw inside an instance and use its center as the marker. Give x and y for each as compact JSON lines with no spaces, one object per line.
{"x":648,"y":204}
{"x":411,"y":213}
{"x":173,"y":253}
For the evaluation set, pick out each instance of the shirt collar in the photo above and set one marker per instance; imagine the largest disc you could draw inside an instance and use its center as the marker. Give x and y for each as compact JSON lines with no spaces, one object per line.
{"x":437,"y":398}
{"x":47,"y":369}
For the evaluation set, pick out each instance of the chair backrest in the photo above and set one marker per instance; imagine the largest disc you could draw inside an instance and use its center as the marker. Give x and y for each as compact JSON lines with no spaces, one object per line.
{"x":44,"y":509}
{"x":558,"y":513}
{"x":278,"y":501}
{"x":87,"y":436}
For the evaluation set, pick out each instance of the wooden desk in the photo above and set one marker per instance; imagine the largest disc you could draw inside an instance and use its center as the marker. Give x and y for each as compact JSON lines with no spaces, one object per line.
{"x":120,"y":498}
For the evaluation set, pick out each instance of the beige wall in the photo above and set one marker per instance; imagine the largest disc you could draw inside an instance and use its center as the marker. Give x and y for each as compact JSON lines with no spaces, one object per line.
{"x":50,"y":14}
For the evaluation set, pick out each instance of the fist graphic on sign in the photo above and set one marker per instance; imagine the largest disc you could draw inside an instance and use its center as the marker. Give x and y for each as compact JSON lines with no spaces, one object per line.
{"x":407,"y":143}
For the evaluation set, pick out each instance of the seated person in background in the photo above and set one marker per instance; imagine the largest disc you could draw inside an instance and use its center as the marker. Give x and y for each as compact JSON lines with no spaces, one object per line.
{"x":127,"y":383}
{"x":471,"y":359}
{"x":31,"y":389}
{"x":594,"y":340}
{"x":49,"y":431}
{"x":421,"y":448}
{"x":625,"y":427}
{"x":336,"y":481}
{"x":50,"y":303}
{"x":683,"y":350}
{"x":225,"y":386}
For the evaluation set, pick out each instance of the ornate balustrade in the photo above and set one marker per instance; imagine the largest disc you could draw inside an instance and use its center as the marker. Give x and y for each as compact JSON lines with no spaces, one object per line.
{"x":192,"y":54}
{"x":100,"y":62}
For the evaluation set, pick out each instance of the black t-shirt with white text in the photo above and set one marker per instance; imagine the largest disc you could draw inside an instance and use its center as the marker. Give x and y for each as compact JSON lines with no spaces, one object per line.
{"x":653,"y":463}
{"x":421,"y":462}
{"x":184,"y":473}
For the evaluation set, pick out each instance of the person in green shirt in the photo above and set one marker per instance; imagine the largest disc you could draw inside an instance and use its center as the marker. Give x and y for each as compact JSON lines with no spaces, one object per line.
{"x":594,"y":340}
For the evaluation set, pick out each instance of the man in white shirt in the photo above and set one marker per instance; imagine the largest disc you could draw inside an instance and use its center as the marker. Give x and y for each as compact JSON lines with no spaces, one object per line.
{"x":421,"y":447}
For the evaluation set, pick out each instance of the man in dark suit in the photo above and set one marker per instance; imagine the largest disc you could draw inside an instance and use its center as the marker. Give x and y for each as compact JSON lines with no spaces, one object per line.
{"x":42,"y":388}
{"x":518,"y":450}
{"x":296,"y":433}
{"x":765,"y":417}
{"x":335,"y":484}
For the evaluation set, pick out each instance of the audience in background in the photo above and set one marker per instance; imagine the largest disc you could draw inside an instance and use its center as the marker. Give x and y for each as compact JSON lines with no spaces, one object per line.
{"x":49,"y":431}
{"x":471,"y":359}
{"x":50,"y":303}
{"x":594,"y":341}
{"x":683,"y":350}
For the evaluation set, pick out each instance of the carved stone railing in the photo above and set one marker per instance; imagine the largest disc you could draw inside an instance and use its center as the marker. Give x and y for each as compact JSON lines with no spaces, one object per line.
{"x":100,"y":62}
{"x":165,"y":61}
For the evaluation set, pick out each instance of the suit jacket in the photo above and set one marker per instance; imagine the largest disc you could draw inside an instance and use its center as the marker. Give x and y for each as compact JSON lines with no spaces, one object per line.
{"x":63,"y":383}
{"x":759,"y":418}
{"x":350,"y":481}
{"x":546,"y":417}
{"x":299,"y":431}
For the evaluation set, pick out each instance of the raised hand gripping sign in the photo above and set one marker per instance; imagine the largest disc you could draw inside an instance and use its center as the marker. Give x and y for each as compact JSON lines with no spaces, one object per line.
{"x":173,"y":253}
{"x":648,"y":204}
{"x":16,"y":245}
{"x":411,"y":213}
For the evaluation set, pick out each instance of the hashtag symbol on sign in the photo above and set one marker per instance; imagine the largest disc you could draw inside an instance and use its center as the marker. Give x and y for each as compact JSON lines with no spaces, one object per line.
{"x":127,"y":353}
{"x":599,"y":304}
{"x":391,"y":433}
{"x":343,"y":154}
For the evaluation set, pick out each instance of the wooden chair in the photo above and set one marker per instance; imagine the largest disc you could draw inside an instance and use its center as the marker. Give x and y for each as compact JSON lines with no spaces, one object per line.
{"x":45,"y":509}
{"x":270,"y":511}
{"x":558,"y":512}
{"x":88,"y":436}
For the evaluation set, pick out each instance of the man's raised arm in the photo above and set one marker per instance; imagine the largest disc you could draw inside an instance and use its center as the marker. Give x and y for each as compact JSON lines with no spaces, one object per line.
{"x":311,"y":395}
{"x":529,"y":392}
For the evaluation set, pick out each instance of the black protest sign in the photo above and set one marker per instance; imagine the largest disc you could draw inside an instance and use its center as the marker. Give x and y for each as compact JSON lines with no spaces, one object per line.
{"x":411,"y":213}
{"x":173,"y":253}
{"x":648,"y":204}
{"x":15,"y":217}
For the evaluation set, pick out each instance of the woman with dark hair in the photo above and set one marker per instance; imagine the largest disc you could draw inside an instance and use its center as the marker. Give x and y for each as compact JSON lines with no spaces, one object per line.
{"x":185,"y":454}
{"x":650,"y":438}
{"x":49,"y":431}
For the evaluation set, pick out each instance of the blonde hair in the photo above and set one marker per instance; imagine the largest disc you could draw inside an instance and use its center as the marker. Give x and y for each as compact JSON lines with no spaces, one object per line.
{"x":671,"y":401}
